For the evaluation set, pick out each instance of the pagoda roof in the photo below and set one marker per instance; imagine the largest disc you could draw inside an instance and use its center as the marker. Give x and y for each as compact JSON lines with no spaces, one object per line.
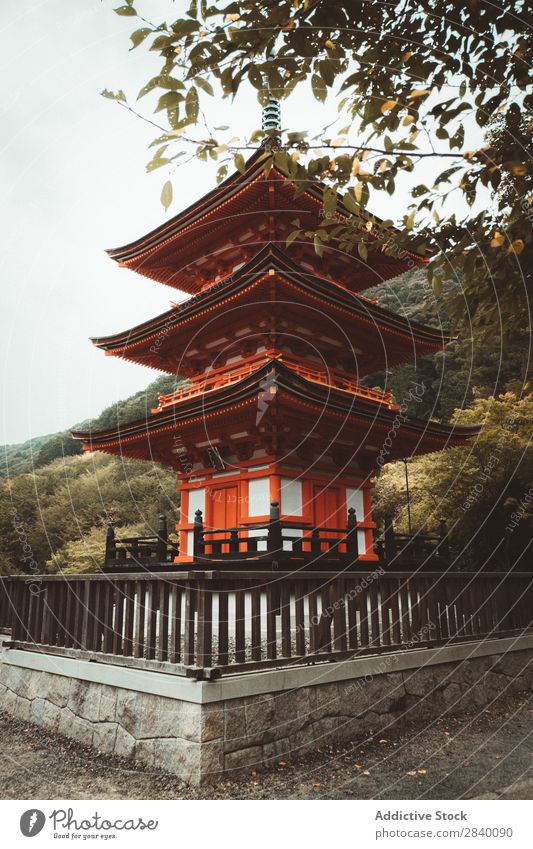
{"x":384,"y":338}
{"x":304,"y":409}
{"x":222,"y":229}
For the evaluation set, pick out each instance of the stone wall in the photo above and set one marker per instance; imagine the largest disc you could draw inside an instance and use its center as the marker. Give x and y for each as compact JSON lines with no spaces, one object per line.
{"x":200,"y":741}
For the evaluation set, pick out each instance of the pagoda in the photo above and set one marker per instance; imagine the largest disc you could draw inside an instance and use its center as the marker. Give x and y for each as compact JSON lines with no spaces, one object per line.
{"x":274,"y":342}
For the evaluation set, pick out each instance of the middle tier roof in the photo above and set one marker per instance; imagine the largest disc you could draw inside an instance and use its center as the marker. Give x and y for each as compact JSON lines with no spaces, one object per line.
{"x":273,"y":302}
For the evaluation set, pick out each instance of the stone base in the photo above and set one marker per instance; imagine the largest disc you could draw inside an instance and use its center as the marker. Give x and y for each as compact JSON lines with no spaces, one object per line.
{"x":202,"y":730}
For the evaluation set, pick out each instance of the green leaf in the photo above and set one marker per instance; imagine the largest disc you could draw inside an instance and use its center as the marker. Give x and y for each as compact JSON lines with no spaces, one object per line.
{"x":240,"y":164}
{"x":166,"y":195}
{"x":192,"y":104}
{"x":362,"y":250}
{"x":114,"y":95}
{"x":126,"y":10}
{"x":329,"y":200}
{"x":184,"y":27}
{"x":319,"y":247}
{"x":139,"y":35}
{"x":350,"y":203}
{"x":410,"y":220}
{"x":291,"y":237}
{"x":436,"y":283}
{"x":327,"y":71}
{"x":319,"y":88}
{"x":204,"y":85}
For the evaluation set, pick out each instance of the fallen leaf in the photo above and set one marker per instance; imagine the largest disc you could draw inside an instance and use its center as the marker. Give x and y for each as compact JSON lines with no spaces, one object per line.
{"x":412,"y":772}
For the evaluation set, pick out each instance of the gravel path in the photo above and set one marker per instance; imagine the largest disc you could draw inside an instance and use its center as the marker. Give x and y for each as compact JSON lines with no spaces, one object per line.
{"x":472,"y":756}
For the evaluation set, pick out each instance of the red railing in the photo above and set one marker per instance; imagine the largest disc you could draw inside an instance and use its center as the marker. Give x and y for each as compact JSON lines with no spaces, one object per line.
{"x":228,"y":374}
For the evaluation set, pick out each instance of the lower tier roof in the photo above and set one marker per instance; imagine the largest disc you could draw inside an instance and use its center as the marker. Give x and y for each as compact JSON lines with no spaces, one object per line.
{"x":283,"y":414}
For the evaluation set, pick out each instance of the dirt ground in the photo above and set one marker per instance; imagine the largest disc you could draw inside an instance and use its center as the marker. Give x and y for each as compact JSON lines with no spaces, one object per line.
{"x":486,"y":755}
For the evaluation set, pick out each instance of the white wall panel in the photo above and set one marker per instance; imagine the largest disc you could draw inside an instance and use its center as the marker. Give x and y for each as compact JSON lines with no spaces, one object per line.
{"x":259,"y":497}
{"x":354,"y":498}
{"x":196,"y":502}
{"x":291,"y":497}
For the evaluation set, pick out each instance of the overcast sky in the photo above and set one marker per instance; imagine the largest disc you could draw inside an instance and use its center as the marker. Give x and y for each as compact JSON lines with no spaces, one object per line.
{"x":73,"y":179}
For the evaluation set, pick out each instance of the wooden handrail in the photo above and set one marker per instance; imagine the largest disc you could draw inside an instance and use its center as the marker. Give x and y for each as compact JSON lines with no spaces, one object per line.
{"x":228,"y":374}
{"x":206,"y":623}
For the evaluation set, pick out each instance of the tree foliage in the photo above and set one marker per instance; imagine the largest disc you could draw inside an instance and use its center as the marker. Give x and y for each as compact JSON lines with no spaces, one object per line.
{"x":474,"y":488}
{"x":411,"y":78}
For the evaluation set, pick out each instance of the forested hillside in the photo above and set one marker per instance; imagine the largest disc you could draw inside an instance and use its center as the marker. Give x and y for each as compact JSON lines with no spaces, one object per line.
{"x":55,"y":502}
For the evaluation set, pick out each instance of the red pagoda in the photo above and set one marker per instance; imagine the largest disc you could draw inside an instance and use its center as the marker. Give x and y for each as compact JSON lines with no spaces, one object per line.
{"x":274,"y":342}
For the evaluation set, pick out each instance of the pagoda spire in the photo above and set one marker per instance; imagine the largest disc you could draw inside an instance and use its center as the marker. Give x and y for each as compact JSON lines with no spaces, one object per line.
{"x":271,"y":112}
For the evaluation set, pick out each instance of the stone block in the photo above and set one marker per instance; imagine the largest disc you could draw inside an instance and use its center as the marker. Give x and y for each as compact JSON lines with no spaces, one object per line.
{"x":14,"y":678}
{"x":104,"y":737}
{"x":56,"y":689}
{"x":145,"y":753}
{"x":305,"y":699}
{"x":211,"y":761}
{"x":419,"y":682}
{"x":76,"y":728}
{"x":22,"y":709}
{"x":234,"y":725}
{"x":259,"y":711}
{"x":277,"y":750}
{"x":124,"y":743}
{"x":84,"y":699}
{"x":128,"y":710}
{"x":37,"y":709}
{"x":212,"y":723}
{"x":179,"y":757}
{"x":243,"y":760}
{"x":108,"y":704}
{"x":327,"y":701}
{"x":51,"y":716}
{"x":189,"y":721}
{"x":8,"y":701}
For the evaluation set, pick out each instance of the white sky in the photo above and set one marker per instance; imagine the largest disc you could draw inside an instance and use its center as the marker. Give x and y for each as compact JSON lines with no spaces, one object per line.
{"x":73,"y":179}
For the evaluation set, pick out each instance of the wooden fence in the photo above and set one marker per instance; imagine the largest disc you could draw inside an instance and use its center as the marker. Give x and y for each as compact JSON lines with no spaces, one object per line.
{"x":204,"y":624}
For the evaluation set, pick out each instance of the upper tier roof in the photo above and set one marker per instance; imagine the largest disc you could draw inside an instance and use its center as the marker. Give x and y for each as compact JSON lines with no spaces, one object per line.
{"x":272,"y":296}
{"x":226,"y":227}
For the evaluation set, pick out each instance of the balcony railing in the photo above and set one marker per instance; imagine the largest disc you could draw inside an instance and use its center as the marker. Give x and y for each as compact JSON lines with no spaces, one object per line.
{"x":204,"y":624}
{"x":130,"y":553}
{"x":229,"y":374}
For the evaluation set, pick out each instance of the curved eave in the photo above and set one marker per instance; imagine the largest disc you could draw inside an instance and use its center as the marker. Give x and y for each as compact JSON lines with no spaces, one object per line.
{"x":209,"y":203}
{"x":271,"y":257}
{"x":325,"y":398}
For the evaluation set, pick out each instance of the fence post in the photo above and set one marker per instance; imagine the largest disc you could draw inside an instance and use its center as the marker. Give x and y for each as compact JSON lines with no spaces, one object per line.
{"x":443,"y":548}
{"x":274,"y":541}
{"x":110,"y":544}
{"x":352,"y":546}
{"x":162,"y":539}
{"x":198,"y":544}
{"x":234,"y":541}
{"x":390,"y":539}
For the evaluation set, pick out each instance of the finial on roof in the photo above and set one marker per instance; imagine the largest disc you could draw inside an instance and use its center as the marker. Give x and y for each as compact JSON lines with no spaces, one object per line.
{"x":271,"y":113}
